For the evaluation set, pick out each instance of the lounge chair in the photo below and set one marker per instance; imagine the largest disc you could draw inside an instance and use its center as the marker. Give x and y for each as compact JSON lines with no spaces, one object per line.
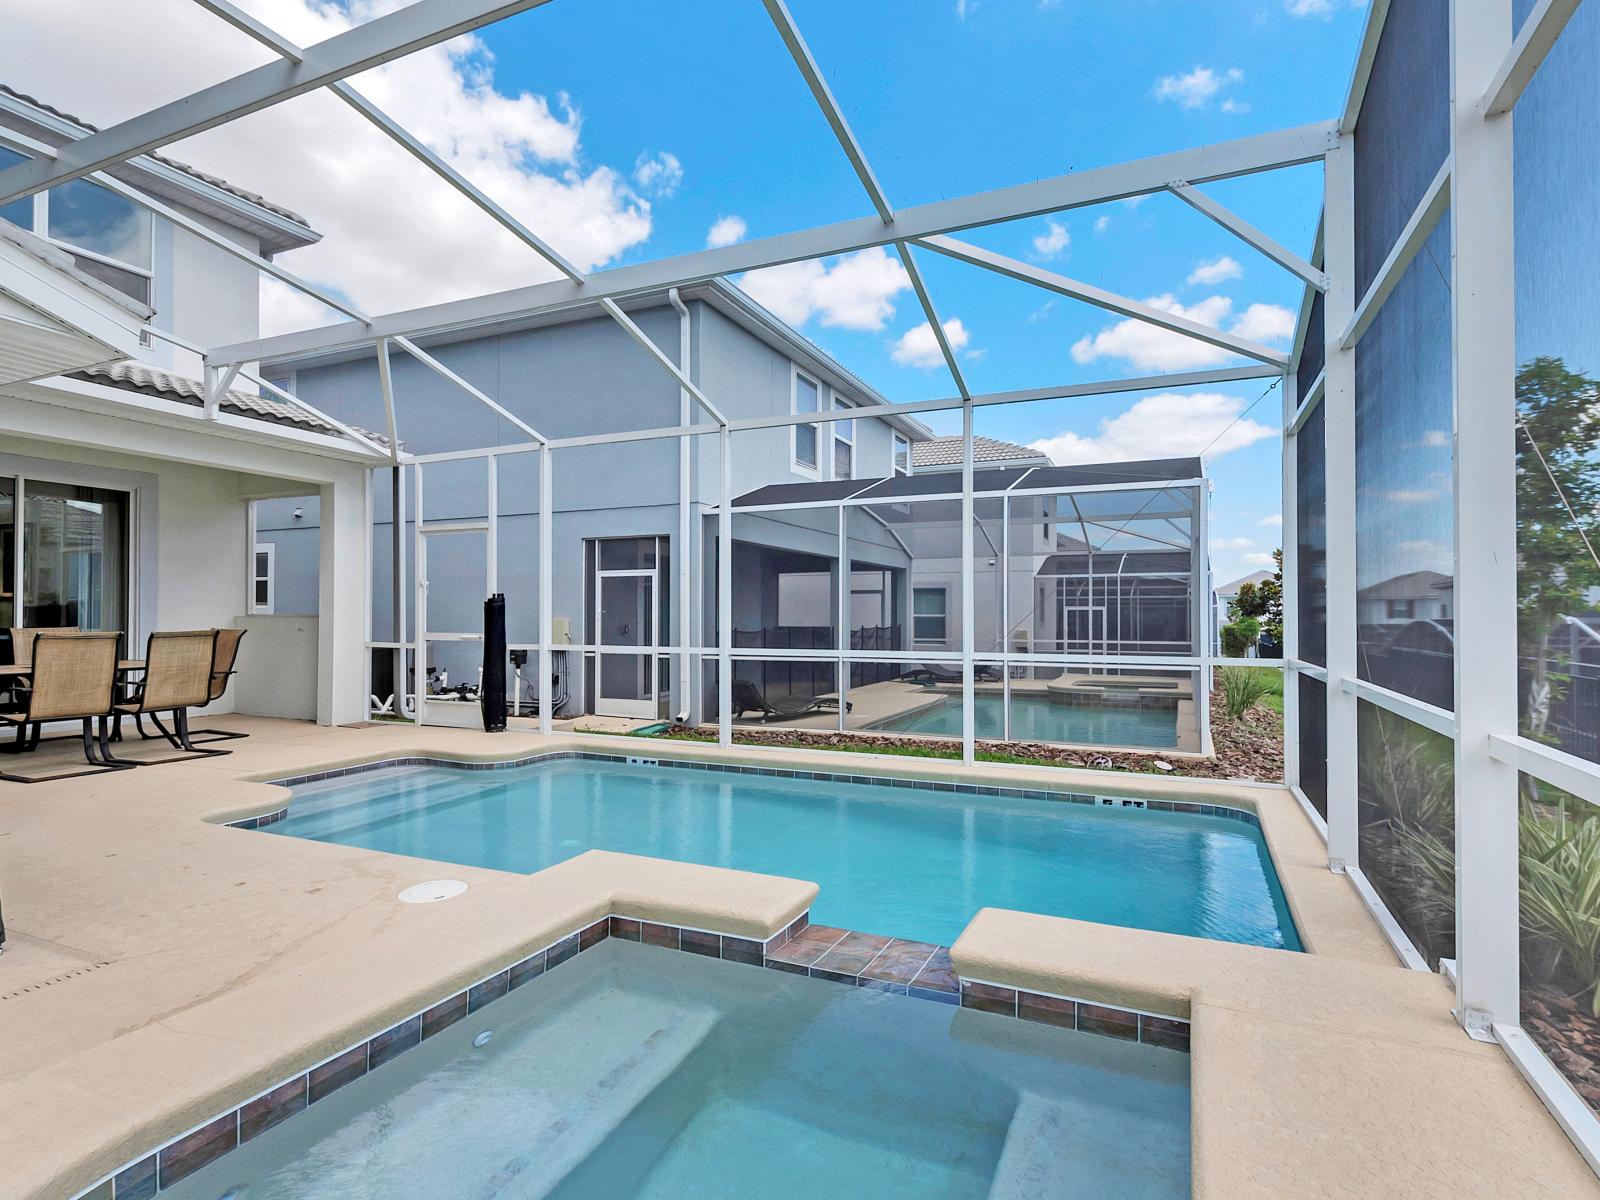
{"x":74,"y":678}
{"x":747,"y":697}
{"x":940,"y":673}
{"x":177,"y":677}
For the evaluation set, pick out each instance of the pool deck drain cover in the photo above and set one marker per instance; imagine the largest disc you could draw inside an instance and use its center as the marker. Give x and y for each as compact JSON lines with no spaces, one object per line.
{"x":433,"y":891}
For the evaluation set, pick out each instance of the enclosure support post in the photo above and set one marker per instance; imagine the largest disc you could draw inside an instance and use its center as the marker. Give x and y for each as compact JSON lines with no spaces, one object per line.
{"x":725,"y":589}
{"x":1487,"y":964}
{"x":969,"y":702}
{"x":1005,"y":613}
{"x":1339,"y":424}
{"x":842,"y":638}
{"x":1204,"y":612}
{"x":1288,"y":539}
{"x":547,"y":609}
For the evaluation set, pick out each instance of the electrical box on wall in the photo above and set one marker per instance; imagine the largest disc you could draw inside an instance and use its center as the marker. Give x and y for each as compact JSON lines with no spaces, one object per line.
{"x":560,"y":631}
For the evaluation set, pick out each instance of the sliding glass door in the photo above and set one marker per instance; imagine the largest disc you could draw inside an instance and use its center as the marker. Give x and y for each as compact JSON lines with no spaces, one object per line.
{"x":72,"y":568}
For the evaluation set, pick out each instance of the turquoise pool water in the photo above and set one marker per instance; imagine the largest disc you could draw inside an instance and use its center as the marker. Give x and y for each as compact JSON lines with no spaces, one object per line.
{"x":1036,"y":719}
{"x":635,"y":1073}
{"x":907,"y":862}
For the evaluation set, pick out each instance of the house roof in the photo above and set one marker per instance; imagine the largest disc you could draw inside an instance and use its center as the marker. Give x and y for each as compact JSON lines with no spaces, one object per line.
{"x":1412,"y":585}
{"x":1255,"y":577}
{"x":946,"y":452}
{"x":151,"y":381}
{"x":60,"y":127}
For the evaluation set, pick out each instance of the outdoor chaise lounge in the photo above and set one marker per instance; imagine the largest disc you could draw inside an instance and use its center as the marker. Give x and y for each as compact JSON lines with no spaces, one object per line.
{"x":939,"y":673}
{"x":178,"y":676}
{"x":73,"y":677}
{"x":747,"y":697}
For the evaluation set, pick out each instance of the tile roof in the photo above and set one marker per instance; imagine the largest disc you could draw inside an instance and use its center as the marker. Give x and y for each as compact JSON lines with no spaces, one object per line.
{"x":151,"y":381}
{"x":193,"y":172}
{"x":946,"y":451}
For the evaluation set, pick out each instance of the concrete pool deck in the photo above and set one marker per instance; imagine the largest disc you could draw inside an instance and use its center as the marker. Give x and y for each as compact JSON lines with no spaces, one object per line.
{"x":163,"y":967}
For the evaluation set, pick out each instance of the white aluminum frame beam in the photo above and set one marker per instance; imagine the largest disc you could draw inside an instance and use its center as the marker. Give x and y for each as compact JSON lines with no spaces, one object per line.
{"x":416,"y":26}
{"x":439,"y":368}
{"x":1100,"y":298}
{"x":386,"y":387}
{"x":1419,"y":227}
{"x":1242,"y":229}
{"x":1223,"y":160}
{"x":1534,"y":41}
{"x":295,"y":401}
{"x":655,"y":352}
{"x":914,"y":273}
{"x":413,"y":146}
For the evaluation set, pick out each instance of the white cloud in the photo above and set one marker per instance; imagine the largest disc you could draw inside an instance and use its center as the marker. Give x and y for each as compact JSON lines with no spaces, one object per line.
{"x":1043,"y":311}
{"x":1259,"y":560}
{"x":1320,"y":8}
{"x":1234,"y":107}
{"x":1409,"y":495}
{"x":1102,"y":223}
{"x":1169,"y":425}
{"x":964,"y":8}
{"x":725,"y":231}
{"x":1150,"y":347}
{"x":917,"y":347}
{"x":1216,"y":270}
{"x":857,"y":292}
{"x":1231,"y":543}
{"x":1274,"y":521}
{"x":1436,"y":439}
{"x":1265,"y":323}
{"x":1052,"y":242}
{"x":1197,"y":88}
{"x":394,"y":235}
{"x":659,"y":174}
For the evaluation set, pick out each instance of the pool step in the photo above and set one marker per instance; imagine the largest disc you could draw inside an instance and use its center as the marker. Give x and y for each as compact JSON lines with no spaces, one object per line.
{"x":1036,"y":1162}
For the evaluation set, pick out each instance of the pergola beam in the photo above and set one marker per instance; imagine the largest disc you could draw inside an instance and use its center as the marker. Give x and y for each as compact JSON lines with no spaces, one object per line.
{"x":414,"y":27}
{"x":1100,"y":298}
{"x":1223,"y":160}
{"x":440,"y":369}
{"x":1247,"y":232}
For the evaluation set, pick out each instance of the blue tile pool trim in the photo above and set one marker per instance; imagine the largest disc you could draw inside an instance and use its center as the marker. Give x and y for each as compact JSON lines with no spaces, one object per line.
{"x":790,"y":949}
{"x":1126,"y":803}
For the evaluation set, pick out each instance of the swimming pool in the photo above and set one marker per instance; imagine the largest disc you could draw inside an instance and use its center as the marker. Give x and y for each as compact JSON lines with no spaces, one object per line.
{"x":903,"y":861}
{"x":1039,"y":719}
{"x":637,"y":1072}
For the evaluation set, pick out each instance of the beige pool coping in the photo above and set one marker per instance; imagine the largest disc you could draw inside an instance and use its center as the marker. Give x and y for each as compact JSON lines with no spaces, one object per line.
{"x":163,"y":967}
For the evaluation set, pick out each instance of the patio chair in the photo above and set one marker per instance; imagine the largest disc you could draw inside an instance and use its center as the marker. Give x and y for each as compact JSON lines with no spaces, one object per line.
{"x":223,"y":655}
{"x":74,"y":678}
{"x":22,"y":652}
{"x":747,"y":697}
{"x":177,"y":677}
{"x":939,"y":673}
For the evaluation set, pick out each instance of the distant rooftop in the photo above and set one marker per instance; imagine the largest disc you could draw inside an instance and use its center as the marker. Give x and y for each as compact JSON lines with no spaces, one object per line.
{"x":946,"y":452}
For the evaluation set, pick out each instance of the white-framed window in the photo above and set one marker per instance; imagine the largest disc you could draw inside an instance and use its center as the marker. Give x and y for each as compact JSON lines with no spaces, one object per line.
{"x":930,"y":610}
{"x":844,"y":444}
{"x":806,"y":398}
{"x":902,"y":454}
{"x":262,"y":585}
{"x":109,"y":236}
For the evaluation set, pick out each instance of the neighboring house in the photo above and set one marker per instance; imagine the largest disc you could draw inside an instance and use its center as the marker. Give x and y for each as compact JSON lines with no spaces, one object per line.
{"x":1226,"y":594}
{"x":1413,"y":596}
{"x":944,"y":454}
{"x":123,"y":501}
{"x":621,"y":568}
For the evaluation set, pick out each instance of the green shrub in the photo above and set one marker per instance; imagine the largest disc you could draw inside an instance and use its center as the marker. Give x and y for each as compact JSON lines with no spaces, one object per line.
{"x":1243,"y":687}
{"x":1238,"y":636}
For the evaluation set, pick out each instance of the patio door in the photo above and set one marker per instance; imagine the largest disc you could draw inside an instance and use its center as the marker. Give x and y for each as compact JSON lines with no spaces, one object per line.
{"x":625,"y":610}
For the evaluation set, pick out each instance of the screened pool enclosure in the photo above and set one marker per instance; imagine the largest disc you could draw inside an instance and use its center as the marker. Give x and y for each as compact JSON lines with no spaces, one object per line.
{"x":1441,"y":468}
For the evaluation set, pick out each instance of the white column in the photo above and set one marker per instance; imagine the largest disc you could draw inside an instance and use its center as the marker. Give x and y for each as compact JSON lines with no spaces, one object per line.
{"x":725,"y":590}
{"x":842,"y":638}
{"x":1487,"y":983}
{"x":547,"y":586}
{"x":1339,"y":423}
{"x":969,"y":702}
{"x":1288,"y":539}
{"x":344,"y":596}
{"x":1205,"y":612}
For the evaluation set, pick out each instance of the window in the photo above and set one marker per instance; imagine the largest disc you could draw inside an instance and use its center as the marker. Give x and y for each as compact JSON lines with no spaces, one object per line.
{"x":807,"y":399}
{"x":74,"y":556}
{"x":844,"y":445}
{"x":902,"y":454}
{"x":108,"y":235}
{"x":1402,"y":610}
{"x":928,"y":615}
{"x":261,"y":584}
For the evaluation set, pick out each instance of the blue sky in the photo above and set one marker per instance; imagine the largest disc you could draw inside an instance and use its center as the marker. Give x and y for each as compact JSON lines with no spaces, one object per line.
{"x":623,"y":130}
